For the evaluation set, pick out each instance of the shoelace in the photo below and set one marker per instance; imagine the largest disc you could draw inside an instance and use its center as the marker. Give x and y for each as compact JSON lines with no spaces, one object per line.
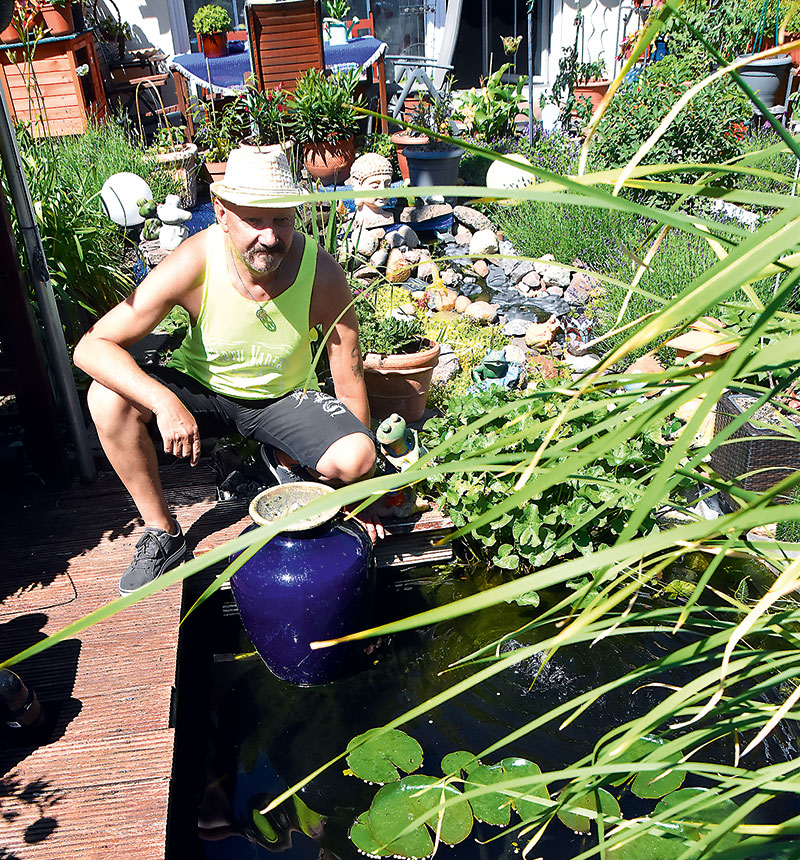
{"x":144,"y":541}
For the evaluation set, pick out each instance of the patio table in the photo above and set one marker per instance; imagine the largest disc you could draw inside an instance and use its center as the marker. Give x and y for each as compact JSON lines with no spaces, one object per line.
{"x":226,"y":76}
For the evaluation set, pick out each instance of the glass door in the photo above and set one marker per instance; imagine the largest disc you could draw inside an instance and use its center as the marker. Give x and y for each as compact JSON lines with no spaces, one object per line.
{"x":409,"y":27}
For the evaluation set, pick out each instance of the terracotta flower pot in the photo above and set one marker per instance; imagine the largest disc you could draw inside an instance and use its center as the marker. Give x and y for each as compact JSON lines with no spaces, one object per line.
{"x":58,"y":19}
{"x":9,"y":35}
{"x":213,"y":171}
{"x":213,"y":45}
{"x":400,"y":383}
{"x":182,"y":165}
{"x":402,"y":139}
{"x":329,"y":163}
{"x":594,"y":90}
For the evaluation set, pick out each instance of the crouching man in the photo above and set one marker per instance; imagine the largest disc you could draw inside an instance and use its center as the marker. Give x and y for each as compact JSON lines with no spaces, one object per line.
{"x":254,"y":288}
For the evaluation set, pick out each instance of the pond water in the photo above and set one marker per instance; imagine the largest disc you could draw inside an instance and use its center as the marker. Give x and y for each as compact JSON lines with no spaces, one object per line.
{"x":244,"y":736}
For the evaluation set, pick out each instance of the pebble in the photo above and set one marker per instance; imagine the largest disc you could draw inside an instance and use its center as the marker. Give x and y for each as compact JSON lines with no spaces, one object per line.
{"x":397,"y":269}
{"x":516,"y":353}
{"x":412,"y":256}
{"x":427,"y":270}
{"x":544,"y":365}
{"x":463,"y":235}
{"x":520,"y":270}
{"x":447,"y":367}
{"x":471,"y":218}
{"x":462,"y":303}
{"x":365,"y":243}
{"x":515,"y":328}
{"x":483,"y":242}
{"x":532,"y":280}
{"x":380,"y":257}
{"x":482,"y":312}
{"x":581,"y":363}
{"x":555,"y":276}
{"x":540,"y":334}
{"x":555,"y":291}
{"x":403,"y":235}
{"x":366,"y":274}
{"x":415,"y":214}
{"x":449,"y":277}
{"x":481,"y":268}
{"x":442,"y":300}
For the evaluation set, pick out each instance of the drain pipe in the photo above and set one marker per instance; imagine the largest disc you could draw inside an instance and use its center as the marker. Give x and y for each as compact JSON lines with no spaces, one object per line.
{"x":43,"y":289}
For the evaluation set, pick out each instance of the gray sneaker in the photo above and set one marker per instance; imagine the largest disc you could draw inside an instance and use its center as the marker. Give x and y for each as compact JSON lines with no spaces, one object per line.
{"x":156,"y":552}
{"x":281,"y":474}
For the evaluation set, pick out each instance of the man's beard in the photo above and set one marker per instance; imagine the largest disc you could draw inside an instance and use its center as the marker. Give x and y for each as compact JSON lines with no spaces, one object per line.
{"x":263,"y":259}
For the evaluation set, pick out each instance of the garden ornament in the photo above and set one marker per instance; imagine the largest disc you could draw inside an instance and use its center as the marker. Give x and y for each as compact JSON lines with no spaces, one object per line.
{"x":496,"y":369}
{"x":172,"y":231}
{"x":371,"y":172}
{"x":541,"y":334}
{"x":400,"y":448}
{"x":120,"y":195}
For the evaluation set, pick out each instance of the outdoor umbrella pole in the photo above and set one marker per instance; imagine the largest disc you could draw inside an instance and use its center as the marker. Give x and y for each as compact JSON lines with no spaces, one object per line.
{"x":54,"y":334}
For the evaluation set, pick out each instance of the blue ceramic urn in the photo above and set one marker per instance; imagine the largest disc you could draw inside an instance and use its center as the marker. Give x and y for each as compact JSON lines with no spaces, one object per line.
{"x":313,"y":582}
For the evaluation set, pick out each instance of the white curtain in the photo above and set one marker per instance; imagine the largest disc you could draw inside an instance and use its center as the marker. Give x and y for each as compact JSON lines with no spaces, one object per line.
{"x":180,"y":28}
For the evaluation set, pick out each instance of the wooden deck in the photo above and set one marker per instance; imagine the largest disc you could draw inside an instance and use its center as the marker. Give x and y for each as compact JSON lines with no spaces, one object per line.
{"x":97,"y":783}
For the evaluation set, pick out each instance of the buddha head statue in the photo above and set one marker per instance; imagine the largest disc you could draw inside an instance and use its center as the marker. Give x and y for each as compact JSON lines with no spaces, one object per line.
{"x":371,"y":172}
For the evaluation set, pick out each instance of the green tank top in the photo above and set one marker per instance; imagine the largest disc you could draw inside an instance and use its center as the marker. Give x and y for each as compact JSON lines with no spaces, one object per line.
{"x":230,"y":351}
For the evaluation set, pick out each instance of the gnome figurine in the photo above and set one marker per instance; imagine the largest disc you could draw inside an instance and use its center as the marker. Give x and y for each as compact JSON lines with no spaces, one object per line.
{"x":173,"y":219}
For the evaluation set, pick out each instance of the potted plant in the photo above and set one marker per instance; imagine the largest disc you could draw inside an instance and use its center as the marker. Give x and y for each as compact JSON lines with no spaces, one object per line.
{"x":399,"y":361}
{"x":591,"y":82}
{"x":434,"y":162}
{"x":57,"y":16}
{"x":172,"y":152}
{"x":211,"y":24}
{"x":25,"y":18}
{"x":405,"y":137}
{"x":334,"y":26}
{"x":322,"y":118}
{"x":111,"y":29}
{"x":489,"y":112}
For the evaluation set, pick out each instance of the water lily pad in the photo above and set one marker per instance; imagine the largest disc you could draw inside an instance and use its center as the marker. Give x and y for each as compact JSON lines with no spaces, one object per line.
{"x":458,"y":762}
{"x":694,"y":823}
{"x":361,"y":836}
{"x":380,"y":757}
{"x":399,"y":804}
{"x":649,"y":846}
{"x":650,"y":785}
{"x":495,"y":807}
{"x":264,"y":827}
{"x":582,"y":823}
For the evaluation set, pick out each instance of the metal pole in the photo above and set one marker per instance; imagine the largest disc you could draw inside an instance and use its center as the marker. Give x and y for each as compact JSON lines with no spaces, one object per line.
{"x":43,"y":288}
{"x":485,"y":39}
{"x":531,"y":47}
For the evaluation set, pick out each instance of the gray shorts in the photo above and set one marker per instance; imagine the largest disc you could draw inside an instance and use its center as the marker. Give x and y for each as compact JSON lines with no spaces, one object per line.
{"x":304,"y":424}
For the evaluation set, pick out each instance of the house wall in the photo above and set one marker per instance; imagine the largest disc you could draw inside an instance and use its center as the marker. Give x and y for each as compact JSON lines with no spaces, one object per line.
{"x":160,"y":23}
{"x":602,"y":28}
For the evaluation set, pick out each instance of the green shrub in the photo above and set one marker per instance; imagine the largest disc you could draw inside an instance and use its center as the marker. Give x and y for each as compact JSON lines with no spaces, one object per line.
{"x":709,"y":129}
{"x":211,"y":19}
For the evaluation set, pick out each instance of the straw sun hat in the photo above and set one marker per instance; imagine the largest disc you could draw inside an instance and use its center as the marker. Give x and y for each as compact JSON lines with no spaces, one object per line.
{"x":254,"y":175}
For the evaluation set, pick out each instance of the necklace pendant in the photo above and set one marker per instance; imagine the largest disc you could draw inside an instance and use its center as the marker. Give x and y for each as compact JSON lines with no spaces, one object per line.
{"x":265,"y":319}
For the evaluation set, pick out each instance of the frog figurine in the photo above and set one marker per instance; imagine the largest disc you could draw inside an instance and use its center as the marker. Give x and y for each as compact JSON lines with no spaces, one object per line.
{"x":400,"y":448}
{"x":496,"y":369}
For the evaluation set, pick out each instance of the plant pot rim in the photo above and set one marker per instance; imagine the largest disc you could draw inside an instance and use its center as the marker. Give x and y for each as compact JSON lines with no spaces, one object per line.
{"x":406,"y":137}
{"x":776,"y":60}
{"x":403,"y":361}
{"x":185,"y":153}
{"x":416,"y":151}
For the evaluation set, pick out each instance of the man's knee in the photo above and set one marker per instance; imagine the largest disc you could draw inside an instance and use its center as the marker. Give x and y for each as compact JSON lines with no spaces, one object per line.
{"x":109,"y":408}
{"x":349,"y":459}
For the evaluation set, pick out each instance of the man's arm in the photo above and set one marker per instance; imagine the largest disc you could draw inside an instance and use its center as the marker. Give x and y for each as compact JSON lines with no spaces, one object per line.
{"x":102,"y":352}
{"x":331,"y":296}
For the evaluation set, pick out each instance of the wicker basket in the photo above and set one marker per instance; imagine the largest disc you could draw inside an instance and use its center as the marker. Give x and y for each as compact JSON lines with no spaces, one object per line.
{"x":777,"y":456}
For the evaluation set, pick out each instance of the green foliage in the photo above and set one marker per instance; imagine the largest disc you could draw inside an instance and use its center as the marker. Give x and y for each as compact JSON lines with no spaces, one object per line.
{"x":382,"y":144}
{"x":321,"y":107}
{"x":489,"y":111}
{"x":169,"y":138}
{"x":211,"y":19}
{"x":434,"y":115}
{"x":582,"y":823}
{"x":86,"y":252}
{"x":710,"y":128}
{"x":578,"y":516}
{"x":268,"y":115}
{"x":337,"y":9}
{"x":387,"y":335}
{"x":378,"y":757}
{"x":729,"y":26}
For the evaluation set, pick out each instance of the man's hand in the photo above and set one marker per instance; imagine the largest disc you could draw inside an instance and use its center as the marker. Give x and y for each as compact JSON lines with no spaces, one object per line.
{"x":371,"y":522}
{"x":178,"y":429}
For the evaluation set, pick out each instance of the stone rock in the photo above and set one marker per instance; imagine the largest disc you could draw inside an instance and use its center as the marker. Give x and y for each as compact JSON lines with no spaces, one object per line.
{"x":404,"y":313}
{"x":462,"y":303}
{"x":503,"y":175}
{"x":481,"y":268}
{"x":541,"y":364}
{"x":415,"y":214}
{"x":532,"y":280}
{"x":555,"y":276}
{"x":581,"y":363}
{"x":577,"y":263}
{"x":442,"y":300}
{"x":482,"y":312}
{"x":483,"y":242}
{"x":403,"y":235}
{"x":397,"y":269}
{"x":427,"y":270}
{"x":516,"y":353}
{"x":418,"y":295}
{"x":541,"y":334}
{"x":363,"y":242}
{"x":366,"y":274}
{"x":471,"y":218}
{"x":555,"y":291}
{"x":413,"y":256}
{"x":509,"y":253}
{"x":380,"y":257}
{"x":515,"y":328}
{"x":521,"y":269}
{"x":497,"y":278}
{"x":449,"y":277}
{"x":447,"y":367}
{"x":648,"y":363}
{"x":471,"y":289}
{"x":463,"y":235}
{"x":581,"y":288}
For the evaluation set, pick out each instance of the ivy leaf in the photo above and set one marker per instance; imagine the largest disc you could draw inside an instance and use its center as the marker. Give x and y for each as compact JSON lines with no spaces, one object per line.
{"x":398,"y":804}
{"x":381,"y":758}
{"x":581,"y":823}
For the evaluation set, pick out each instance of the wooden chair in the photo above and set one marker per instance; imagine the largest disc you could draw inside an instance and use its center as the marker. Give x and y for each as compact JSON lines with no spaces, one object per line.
{"x":285,"y":40}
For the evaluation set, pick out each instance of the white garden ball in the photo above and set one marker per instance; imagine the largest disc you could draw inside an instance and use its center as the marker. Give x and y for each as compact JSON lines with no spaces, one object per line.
{"x":119,"y":195}
{"x":501,"y":175}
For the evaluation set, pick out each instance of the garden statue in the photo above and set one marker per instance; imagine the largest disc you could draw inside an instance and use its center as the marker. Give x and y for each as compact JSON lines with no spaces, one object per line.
{"x":173,"y":219}
{"x":497,"y":369}
{"x":400,"y":448}
{"x":371,"y":172}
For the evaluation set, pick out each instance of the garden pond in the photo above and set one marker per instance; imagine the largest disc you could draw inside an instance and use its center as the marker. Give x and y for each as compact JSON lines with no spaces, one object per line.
{"x":243,"y":736}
